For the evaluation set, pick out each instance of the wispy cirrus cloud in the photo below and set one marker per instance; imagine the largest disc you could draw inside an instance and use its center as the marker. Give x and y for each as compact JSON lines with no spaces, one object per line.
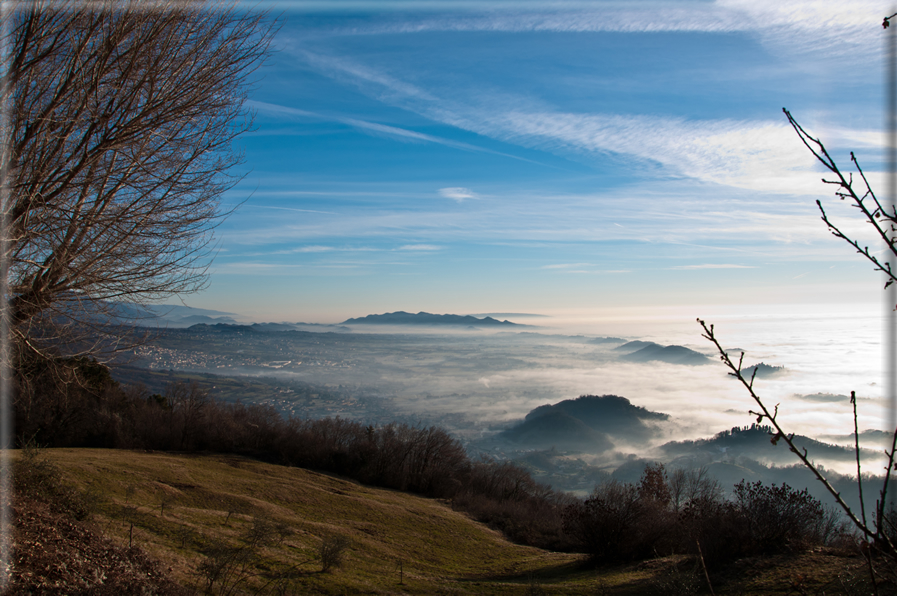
{"x":834,"y":26}
{"x":355,"y":72}
{"x":364,"y":125}
{"x":760,"y":155}
{"x":711,"y":266}
{"x":375,"y":128}
{"x":420,"y":247}
{"x":458,"y":193}
{"x":751,"y":155}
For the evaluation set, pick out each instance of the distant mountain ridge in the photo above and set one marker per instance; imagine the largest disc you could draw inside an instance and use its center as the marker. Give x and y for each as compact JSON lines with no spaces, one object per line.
{"x":424,"y":318}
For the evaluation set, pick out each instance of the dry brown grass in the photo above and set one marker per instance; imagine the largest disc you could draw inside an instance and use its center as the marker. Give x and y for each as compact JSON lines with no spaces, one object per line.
{"x":216,"y":499}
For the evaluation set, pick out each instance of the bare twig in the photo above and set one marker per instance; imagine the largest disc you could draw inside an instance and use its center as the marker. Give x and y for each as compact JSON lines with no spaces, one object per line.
{"x":780,"y":433}
{"x":884,"y":222}
{"x":856,"y":449}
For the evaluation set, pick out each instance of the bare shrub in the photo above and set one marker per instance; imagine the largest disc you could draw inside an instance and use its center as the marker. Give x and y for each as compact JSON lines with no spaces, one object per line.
{"x":333,"y":551}
{"x":779,"y":518}
{"x":623,"y":522}
{"x":676,"y":581}
{"x":225,"y":566}
{"x":603,"y":523}
{"x":691,"y":484}
{"x":712,"y":528}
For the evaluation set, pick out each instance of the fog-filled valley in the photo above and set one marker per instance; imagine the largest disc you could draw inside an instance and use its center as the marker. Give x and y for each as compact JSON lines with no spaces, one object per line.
{"x":574,"y":404}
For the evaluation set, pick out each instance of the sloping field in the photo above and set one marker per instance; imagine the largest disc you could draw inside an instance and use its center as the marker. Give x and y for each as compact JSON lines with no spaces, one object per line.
{"x":182,"y":505}
{"x":249,"y":527}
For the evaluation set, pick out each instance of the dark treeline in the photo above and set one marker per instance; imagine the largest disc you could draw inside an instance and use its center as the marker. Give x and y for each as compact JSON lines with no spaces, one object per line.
{"x":79,"y":405}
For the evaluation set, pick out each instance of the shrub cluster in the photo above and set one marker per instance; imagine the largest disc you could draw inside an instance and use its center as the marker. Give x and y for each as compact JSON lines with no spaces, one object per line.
{"x":624,"y":522}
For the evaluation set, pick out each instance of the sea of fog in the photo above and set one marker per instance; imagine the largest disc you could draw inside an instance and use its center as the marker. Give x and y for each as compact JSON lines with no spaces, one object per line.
{"x":478,"y":382}
{"x":826,"y":349}
{"x":490,"y":378}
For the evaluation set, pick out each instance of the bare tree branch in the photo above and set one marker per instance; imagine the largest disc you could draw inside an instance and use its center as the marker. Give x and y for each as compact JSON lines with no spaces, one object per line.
{"x":883,"y":222}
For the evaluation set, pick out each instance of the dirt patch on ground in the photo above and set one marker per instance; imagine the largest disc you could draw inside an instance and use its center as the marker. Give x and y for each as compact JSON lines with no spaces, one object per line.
{"x":56,"y":555}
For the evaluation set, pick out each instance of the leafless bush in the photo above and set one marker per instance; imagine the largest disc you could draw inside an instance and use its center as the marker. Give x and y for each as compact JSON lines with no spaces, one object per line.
{"x":621,"y":521}
{"x":692,"y":484}
{"x":677,"y":581}
{"x":712,"y":528}
{"x":227,"y":566}
{"x":333,"y":551}
{"x":779,"y":518}
{"x":603,"y":522}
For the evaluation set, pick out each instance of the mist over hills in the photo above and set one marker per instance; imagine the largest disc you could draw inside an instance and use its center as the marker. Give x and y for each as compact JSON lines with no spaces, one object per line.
{"x":755,"y":442}
{"x":476,"y":385}
{"x":425,"y":318}
{"x":606,"y":340}
{"x":172,"y":316}
{"x":763,"y":371}
{"x":586,"y":423}
{"x":267,"y":328}
{"x":560,"y":430}
{"x":648,"y":351}
{"x":825,"y":397}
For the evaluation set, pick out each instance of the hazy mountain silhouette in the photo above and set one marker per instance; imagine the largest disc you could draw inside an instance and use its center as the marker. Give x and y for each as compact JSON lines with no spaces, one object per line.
{"x":425,"y":318}
{"x":172,"y":316}
{"x":647,"y":351}
{"x":824,"y":397}
{"x":195,"y":319}
{"x":764,"y":371}
{"x":632,"y":346}
{"x":313,"y":327}
{"x":607,"y":340}
{"x":755,"y":442}
{"x":558,"y":429}
{"x":881,"y":436}
{"x":586,"y":422}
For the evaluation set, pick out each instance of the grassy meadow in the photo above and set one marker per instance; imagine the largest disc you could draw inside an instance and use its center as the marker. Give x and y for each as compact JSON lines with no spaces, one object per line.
{"x":188,"y":511}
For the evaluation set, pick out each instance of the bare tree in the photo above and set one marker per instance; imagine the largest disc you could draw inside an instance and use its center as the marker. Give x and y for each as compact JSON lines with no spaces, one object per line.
{"x":115,"y":153}
{"x":687,"y":485}
{"x":189,"y":403}
{"x":333,"y":551}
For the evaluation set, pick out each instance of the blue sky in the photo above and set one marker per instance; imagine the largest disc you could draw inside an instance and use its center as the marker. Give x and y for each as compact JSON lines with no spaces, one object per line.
{"x":509,"y":156}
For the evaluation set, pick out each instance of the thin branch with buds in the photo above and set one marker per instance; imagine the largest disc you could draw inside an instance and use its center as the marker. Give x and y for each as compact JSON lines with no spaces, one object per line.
{"x":882,"y":220}
{"x":788,"y":438}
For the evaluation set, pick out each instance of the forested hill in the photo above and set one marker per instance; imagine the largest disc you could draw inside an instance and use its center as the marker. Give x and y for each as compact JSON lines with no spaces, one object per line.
{"x":755,"y":442}
{"x":584,"y":423}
